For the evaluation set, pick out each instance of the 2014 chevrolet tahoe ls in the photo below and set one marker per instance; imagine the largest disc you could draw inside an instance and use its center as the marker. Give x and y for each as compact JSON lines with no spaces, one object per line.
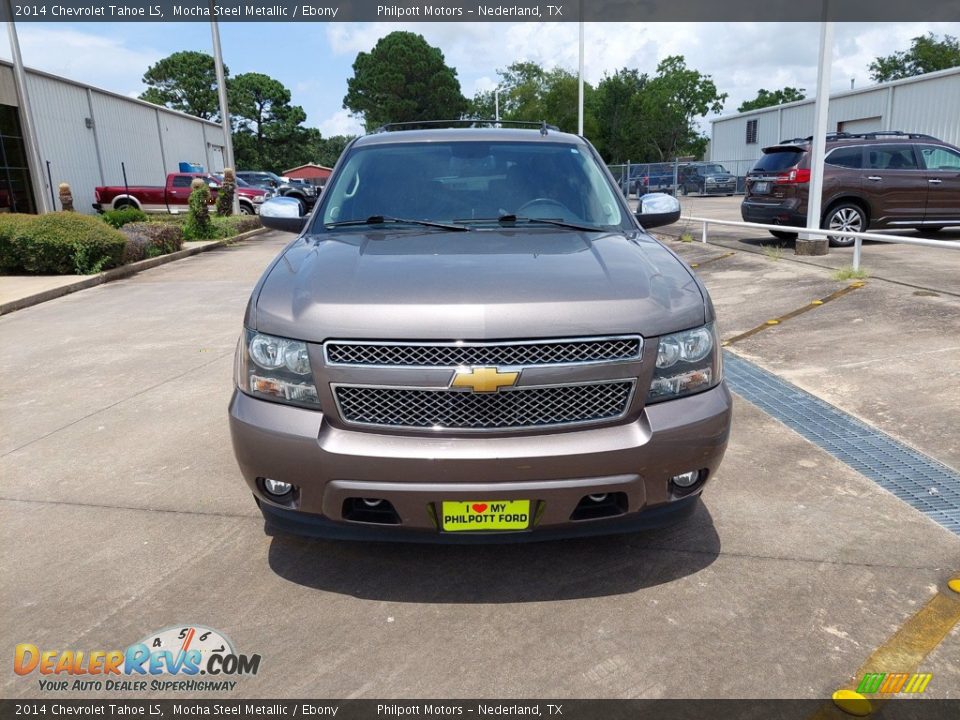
{"x":472,"y":338}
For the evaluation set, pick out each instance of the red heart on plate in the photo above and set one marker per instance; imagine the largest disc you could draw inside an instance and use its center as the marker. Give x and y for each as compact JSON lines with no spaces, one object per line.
{"x":479,"y":507}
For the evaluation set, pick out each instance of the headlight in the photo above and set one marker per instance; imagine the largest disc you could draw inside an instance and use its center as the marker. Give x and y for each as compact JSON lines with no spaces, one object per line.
{"x":688,"y":362}
{"x":259,"y":198}
{"x":275,"y":368}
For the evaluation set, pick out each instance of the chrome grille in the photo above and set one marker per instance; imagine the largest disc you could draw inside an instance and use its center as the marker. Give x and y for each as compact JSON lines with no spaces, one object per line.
{"x":530,"y":407}
{"x":450,"y":355}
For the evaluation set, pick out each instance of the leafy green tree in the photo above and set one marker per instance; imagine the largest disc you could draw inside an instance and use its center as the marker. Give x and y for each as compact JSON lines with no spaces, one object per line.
{"x":670,"y":104}
{"x":403,"y":79}
{"x":328,"y":150}
{"x":267,"y":125}
{"x":926,"y":54}
{"x":766,"y":98}
{"x":185,"y":81}
{"x":617,"y":101}
{"x":528,"y":92}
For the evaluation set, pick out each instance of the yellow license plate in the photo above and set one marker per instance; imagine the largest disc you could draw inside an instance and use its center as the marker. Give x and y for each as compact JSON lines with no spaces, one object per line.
{"x":485,"y":515}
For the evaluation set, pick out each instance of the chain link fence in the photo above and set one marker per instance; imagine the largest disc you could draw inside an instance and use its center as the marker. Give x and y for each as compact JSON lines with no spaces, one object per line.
{"x":683,"y":177}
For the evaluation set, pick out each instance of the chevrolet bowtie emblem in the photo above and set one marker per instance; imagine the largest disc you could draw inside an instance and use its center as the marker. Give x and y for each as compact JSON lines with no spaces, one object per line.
{"x":483,"y":379}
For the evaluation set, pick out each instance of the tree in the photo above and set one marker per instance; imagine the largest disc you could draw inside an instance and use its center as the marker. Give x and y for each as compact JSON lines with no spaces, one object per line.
{"x":185,"y":81}
{"x":267,"y":126}
{"x":766,"y":98}
{"x":528,"y":92}
{"x":403,"y":79}
{"x":328,"y":150}
{"x":669,"y":104}
{"x":618,"y":101}
{"x":926,"y":54}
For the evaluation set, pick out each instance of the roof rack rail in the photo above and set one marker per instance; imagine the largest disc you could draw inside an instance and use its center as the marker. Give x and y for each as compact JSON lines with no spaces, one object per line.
{"x":873,"y":135}
{"x":540,"y":125}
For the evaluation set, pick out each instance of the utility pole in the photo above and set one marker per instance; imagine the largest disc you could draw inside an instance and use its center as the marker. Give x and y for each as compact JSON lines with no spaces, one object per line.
{"x":228,"y":158}
{"x":580,"y":81}
{"x":811,"y":244}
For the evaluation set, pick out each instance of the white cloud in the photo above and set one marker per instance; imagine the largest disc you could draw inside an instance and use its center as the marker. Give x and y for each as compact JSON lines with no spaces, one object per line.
{"x":340,"y":123}
{"x":103,"y":61}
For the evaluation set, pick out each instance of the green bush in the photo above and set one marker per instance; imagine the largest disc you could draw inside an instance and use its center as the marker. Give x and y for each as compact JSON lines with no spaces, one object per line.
{"x":149,"y":239}
{"x":11,"y":227}
{"x":235,"y":225}
{"x":198,"y":225}
{"x":119,"y":218}
{"x":61,"y":243}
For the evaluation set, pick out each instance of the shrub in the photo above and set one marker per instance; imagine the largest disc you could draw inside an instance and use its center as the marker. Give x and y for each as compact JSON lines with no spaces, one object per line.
{"x":61,"y":243}
{"x":11,"y":227}
{"x":122,"y":216}
{"x":198,"y":226}
{"x":235,"y":225}
{"x":225,"y":195}
{"x":164,"y":238}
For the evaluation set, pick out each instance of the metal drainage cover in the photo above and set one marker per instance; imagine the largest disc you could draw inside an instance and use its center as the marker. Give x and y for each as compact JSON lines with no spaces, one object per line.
{"x":929,"y":486}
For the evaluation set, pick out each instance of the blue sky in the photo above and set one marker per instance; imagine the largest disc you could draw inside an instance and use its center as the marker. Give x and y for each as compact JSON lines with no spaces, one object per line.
{"x":314,"y":59}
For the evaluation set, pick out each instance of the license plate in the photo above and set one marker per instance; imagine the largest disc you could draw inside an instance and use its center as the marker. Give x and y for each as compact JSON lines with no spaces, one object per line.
{"x":485,"y":515}
{"x":761,"y":188}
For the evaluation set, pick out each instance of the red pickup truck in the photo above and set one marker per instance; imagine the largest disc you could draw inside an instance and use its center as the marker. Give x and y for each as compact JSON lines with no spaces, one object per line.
{"x":174,"y":197}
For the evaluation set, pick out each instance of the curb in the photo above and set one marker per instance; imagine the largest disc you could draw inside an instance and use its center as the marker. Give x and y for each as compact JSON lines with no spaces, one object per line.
{"x":121,"y":272}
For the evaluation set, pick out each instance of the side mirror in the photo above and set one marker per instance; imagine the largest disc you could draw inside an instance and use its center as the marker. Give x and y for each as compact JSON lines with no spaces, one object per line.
{"x":656,"y":209}
{"x":213,"y":186}
{"x":282,"y":213}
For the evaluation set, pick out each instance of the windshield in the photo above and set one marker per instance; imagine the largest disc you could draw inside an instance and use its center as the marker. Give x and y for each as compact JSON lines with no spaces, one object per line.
{"x":472,"y":183}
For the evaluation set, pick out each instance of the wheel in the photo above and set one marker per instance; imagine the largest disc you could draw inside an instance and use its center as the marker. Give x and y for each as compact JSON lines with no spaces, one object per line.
{"x":245,"y":209}
{"x":683,"y":190}
{"x":783,"y":235}
{"x":121,"y":204}
{"x":844,"y":216}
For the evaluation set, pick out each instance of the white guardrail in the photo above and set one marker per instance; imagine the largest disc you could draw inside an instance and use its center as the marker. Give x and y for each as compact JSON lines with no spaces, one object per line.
{"x":858,"y":237}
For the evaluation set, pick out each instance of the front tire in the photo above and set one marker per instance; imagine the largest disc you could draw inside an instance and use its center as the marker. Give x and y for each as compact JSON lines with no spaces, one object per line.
{"x":844,"y":216}
{"x":246,"y":209}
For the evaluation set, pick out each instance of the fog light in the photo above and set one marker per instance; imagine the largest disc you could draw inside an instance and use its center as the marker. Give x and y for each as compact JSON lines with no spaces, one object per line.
{"x":276,"y":487}
{"x":598,"y":498}
{"x":371,"y":502}
{"x":686,"y":479}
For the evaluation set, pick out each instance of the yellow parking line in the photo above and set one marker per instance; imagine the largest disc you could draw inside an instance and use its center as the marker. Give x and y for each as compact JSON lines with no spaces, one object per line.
{"x":713,"y":259}
{"x":901,"y":653}
{"x":799,"y":311}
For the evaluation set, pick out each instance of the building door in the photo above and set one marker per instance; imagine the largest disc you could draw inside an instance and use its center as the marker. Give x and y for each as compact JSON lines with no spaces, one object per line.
{"x":16,"y":190}
{"x":863,"y":125}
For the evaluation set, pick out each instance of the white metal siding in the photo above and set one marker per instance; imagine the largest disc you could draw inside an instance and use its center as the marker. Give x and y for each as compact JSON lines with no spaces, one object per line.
{"x":60,"y":111}
{"x":8,"y":89}
{"x":923,"y":104}
{"x":183,"y":140}
{"x":127,"y":133}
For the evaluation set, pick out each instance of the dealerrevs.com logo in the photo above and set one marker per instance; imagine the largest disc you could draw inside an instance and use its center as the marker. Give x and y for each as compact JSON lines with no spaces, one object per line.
{"x":186,"y":658}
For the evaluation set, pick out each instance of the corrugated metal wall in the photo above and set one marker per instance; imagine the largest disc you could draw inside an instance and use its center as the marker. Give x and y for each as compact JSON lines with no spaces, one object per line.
{"x":86,"y":133}
{"x":925,"y":104}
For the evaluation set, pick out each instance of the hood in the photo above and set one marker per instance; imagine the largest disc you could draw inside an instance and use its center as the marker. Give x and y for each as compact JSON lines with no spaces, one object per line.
{"x":250,"y":191}
{"x":478,"y":285}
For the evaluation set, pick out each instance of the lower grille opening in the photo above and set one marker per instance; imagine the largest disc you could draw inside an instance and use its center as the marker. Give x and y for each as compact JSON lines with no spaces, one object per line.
{"x":370,"y":510}
{"x":602,"y":505}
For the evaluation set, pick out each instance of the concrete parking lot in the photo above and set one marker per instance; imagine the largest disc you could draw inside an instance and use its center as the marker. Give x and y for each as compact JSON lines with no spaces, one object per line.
{"x":123,"y":512}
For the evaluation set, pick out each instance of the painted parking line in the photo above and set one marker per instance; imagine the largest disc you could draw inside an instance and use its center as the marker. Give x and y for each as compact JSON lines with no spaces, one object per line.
{"x":711,"y":260}
{"x":794,"y":313}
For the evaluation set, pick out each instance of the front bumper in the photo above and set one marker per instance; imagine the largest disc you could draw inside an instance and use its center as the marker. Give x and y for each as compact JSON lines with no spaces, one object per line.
{"x":329,"y":465}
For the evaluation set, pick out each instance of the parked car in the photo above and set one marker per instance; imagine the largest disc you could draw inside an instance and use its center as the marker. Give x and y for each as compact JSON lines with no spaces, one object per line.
{"x":174,"y":196}
{"x":706,"y":178}
{"x":871,"y":181}
{"x":650,"y":178}
{"x":305,"y":193}
{"x":473,"y":337}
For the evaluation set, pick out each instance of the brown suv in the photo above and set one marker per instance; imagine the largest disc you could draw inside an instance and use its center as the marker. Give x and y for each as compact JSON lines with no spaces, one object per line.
{"x":473,"y":337}
{"x":878,"y":180}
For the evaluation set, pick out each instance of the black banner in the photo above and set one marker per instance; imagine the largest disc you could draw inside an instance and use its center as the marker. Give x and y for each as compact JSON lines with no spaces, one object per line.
{"x":914,"y":709}
{"x":479,"y":11}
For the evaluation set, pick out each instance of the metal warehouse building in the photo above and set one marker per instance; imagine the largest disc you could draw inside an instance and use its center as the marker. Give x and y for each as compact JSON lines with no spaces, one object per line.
{"x":85,"y":133}
{"x":924,"y":104}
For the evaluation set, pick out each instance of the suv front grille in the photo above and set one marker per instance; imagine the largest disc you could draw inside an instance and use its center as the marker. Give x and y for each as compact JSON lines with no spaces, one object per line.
{"x":451,"y":355}
{"x":443,"y":409}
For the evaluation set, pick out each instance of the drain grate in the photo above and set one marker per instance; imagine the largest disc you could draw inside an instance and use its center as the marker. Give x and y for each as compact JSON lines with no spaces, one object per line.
{"x":929,"y":486}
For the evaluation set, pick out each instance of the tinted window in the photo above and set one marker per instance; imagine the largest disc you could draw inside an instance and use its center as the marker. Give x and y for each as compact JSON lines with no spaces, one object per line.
{"x":182,"y":181}
{"x":891,"y":157}
{"x":848,"y":157}
{"x":940,"y":158}
{"x":472,"y":181}
{"x":779,"y":159}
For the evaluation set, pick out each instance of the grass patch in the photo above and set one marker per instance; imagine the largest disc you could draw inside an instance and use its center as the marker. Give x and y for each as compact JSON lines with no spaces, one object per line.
{"x":686,"y":237}
{"x":773,"y":252}
{"x":848,"y":273}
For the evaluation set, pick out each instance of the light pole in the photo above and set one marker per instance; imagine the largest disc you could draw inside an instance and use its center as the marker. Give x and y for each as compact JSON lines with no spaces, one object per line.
{"x":580,"y":92}
{"x":224,"y":109}
{"x":496,"y":103}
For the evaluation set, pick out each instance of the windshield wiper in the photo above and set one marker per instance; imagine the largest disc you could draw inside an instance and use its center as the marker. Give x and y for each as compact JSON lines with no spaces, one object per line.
{"x":511,"y":218}
{"x":383,"y":219}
